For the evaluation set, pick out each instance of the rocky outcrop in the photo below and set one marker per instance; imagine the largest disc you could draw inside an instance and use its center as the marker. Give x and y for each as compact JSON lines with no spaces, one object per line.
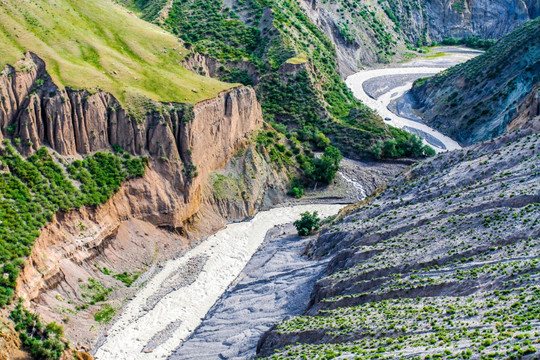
{"x":369,"y":33}
{"x":208,"y":66}
{"x":480,"y":99}
{"x":485,"y":18}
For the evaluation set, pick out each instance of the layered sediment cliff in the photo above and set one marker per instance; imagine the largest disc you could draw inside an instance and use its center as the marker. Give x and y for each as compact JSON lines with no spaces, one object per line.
{"x":150,"y":218}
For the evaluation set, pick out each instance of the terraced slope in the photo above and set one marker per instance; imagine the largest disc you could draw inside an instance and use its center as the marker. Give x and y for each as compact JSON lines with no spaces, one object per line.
{"x":445,"y":263}
{"x":478,"y":100}
{"x":100,"y":45}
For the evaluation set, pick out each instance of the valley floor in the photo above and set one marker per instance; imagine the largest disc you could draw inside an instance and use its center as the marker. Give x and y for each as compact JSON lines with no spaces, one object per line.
{"x":380,"y":89}
{"x":172,"y":304}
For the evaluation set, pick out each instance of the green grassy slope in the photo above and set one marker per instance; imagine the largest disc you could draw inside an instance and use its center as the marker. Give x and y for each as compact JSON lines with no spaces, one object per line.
{"x":99,"y":44}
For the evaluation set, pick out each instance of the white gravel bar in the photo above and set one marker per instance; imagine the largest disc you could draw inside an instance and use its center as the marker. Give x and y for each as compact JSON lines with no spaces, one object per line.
{"x":380,"y":105}
{"x":226,"y":253}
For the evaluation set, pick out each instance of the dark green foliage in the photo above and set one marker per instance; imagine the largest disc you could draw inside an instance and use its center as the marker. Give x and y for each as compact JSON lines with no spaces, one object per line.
{"x":404,"y":144}
{"x":34,"y":189}
{"x":235,"y":75}
{"x":308,"y":223}
{"x":471,"y":41}
{"x":150,"y":8}
{"x":94,"y":292}
{"x":102,"y":174}
{"x":212,"y":29}
{"x":324,"y":169}
{"x":292,"y":102}
{"x":297,"y":189}
{"x":42,"y":341}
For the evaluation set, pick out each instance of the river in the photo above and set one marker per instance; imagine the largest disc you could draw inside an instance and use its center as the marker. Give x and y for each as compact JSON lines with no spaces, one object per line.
{"x":391,"y":83}
{"x":172,"y":304}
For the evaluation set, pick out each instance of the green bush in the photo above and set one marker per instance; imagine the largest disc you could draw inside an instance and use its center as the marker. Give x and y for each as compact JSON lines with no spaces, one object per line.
{"x":325,"y":168}
{"x":308,"y":223}
{"x":105,"y":315}
{"x":42,"y":341}
{"x":296,"y":192}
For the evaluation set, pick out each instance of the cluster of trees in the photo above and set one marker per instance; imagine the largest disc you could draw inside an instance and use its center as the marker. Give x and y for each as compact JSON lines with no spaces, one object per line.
{"x":471,"y":41}
{"x":403,"y":144}
{"x":325,"y":168}
{"x":32,"y":190}
{"x":318,"y":170}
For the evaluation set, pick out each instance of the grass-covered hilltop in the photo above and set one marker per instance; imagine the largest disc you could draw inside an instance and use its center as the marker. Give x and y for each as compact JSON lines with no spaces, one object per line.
{"x":100,"y":45}
{"x":275,"y":46}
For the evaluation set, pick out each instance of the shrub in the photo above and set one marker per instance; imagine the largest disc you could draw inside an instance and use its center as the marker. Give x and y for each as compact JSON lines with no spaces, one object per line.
{"x":308,"y":223}
{"x":43,"y":342}
{"x":296,"y":192}
{"x":324,"y":169}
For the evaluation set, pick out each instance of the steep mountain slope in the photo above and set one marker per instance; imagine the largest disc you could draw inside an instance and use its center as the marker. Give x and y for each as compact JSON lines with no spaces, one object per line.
{"x":99,"y":45}
{"x":370,"y":32}
{"x":478,"y":100}
{"x":443,"y":263}
{"x":275,"y":46}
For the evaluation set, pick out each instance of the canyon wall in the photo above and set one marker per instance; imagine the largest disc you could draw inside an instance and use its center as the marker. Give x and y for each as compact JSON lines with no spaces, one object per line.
{"x":480,"y":99}
{"x":378,"y":31}
{"x":151,"y":218}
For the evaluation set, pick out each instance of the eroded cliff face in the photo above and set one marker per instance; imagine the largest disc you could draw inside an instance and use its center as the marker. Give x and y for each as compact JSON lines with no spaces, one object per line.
{"x":151,"y":218}
{"x":484,"y":18}
{"x":378,"y":31}
{"x":185,"y":142}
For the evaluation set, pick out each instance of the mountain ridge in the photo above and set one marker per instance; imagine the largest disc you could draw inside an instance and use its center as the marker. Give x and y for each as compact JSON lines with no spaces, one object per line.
{"x":477,"y":100}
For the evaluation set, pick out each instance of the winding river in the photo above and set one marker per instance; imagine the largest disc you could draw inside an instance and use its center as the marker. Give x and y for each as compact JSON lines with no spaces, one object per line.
{"x":386,"y":91}
{"x":172,"y":304}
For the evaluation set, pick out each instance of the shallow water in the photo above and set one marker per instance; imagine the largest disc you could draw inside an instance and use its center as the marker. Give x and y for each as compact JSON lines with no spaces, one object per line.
{"x":166,"y":311}
{"x":396,"y":81}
